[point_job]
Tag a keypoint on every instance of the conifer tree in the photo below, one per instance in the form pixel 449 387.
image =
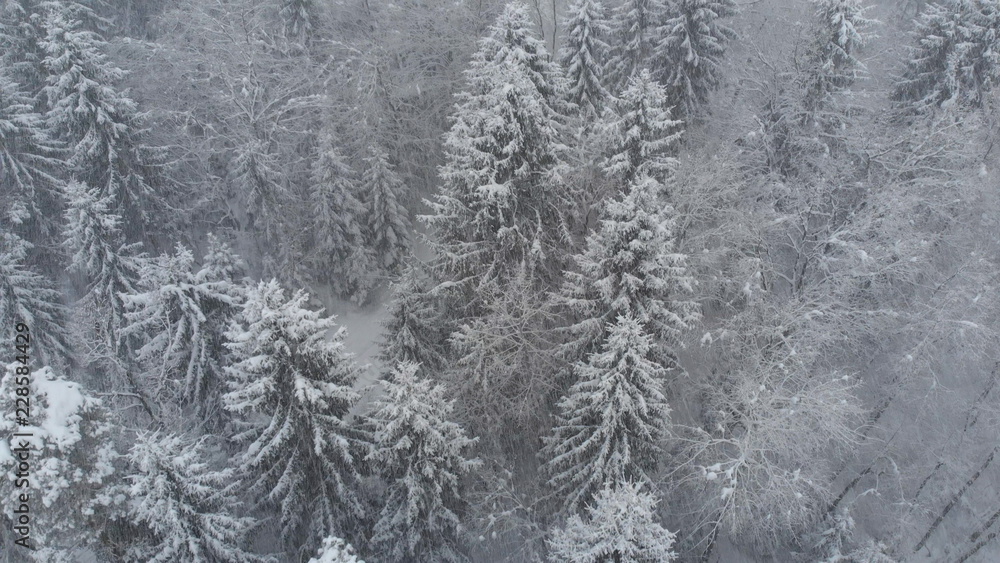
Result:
pixel 957 57
pixel 179 323
pixel 584 56
pixel 297 17
pixel 21 54
pixel 339 249
pixel 71 463
pixel 27 297
pixel 186 506
pixel 630 268
pixel 502 204
pixel 387 223
pixel 100 124
pixel 634 25
pixel 422 457
pixel 335 550
pixel 413 330
pixel 690 47
pixel 29 166
pixel 613 419
pixel 833 59
pixel 292 382
pixel 93 236
pixel 620 526
pixel 641 133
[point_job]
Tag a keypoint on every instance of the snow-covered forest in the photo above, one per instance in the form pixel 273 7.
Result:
pixel 421 281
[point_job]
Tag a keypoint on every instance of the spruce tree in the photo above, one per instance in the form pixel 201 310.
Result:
pixel 186 506
pixel 97 248
pixel 339 253
pixel 957 57
pixel 387 223
pixel 178 326
pixel 29 168
pixel 27 297
pixel 630 268
pixel 689 51
pixel 640 133
pixel 585 54
pixel 634 25
pixel 422 456
pixel 833 65
pixel 612 421
pixel 413 329
pixel 502 205
pixel 21 54
pixel 335 550
pixel 620 526
pixel 71 463
pixel 291 380
pixel 297 17
pixel 100 124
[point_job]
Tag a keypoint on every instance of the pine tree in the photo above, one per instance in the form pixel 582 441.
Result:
pixel 690 49
pixel 640 133
pixel 612 420
pixel 584 56
pixel 502 204
pixel 421 456
pixel 27 297
pixel 957 57
pixel 100 124
pixel 93 236
pixel 335 550
pixel 339 249
pixel 178 325
pixel 630 268
pixel 71 462
pixel 388 226
pixel 298 17
pixel 186 506
pixel 292 381
pixel 29 166
pixel 634 24
pixel 413 330
pixel 620 526
pixel 833 63
pixel 21 53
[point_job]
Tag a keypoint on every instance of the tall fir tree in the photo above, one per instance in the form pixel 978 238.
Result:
pixel 387 224
pixel 692 41
pixel 187 508
pixel 620 526
pixel 178 326
pixel 94 238
pixel 101 125
pixel 423 458
pixel 585 55
pixel 957 56
pixel 339 248
pixel 414 329
pixel 291 379
pixel 833 65
pixel 630 268
pixel 640 134
pixel 30 167
pixel 502 204
pixel 635 29
pixel 298 18
pixel 21 54
pixel 612 421
pixel 29 298
pixel 70 453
